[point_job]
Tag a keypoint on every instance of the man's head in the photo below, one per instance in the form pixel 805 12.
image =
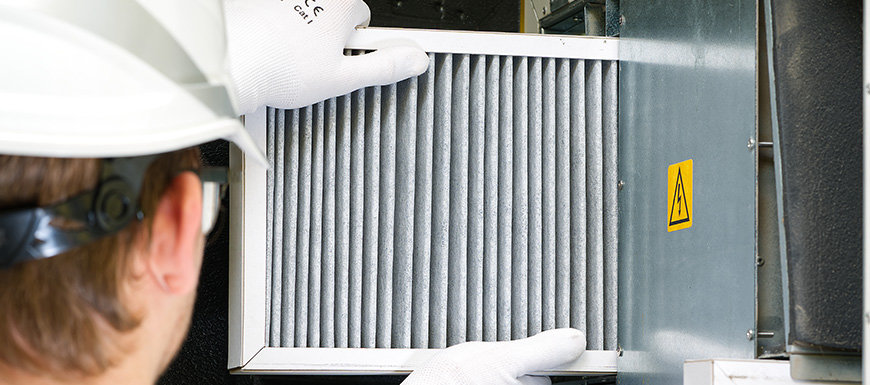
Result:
pixel 106 80
pixel 86 311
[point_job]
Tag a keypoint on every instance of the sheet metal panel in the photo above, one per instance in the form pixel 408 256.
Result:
pixel 687 86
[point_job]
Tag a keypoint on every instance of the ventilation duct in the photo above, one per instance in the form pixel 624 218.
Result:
pixel 476 202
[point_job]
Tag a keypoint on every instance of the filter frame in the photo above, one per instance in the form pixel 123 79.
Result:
pixel 248 350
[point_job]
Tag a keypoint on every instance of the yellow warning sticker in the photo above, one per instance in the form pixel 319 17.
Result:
pixel 680 196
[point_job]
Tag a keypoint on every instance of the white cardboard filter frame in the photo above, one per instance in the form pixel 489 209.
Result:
pixel 248 352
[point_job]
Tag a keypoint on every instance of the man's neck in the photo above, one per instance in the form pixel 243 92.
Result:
pixel 110 377
pixel 137 366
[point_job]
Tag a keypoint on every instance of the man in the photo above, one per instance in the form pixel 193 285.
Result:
pixel 103 203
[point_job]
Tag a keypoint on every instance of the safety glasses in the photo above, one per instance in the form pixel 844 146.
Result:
pixel 214 187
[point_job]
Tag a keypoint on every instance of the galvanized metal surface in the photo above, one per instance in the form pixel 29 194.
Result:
pixel 825 367
pixel 599 18
pixel 437 210
pixel 687 86
pixel 567 18
pixel 725 371
pixel 770 311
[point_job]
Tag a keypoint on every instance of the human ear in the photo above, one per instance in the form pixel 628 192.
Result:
pixel 174 254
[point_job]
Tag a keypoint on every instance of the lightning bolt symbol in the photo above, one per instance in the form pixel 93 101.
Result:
pixel 679 206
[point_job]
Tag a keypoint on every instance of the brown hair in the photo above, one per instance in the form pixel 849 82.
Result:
pixel 63 314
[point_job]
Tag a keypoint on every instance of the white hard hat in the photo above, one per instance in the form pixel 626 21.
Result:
pixel 114 78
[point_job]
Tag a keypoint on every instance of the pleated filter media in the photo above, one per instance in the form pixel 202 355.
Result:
pixel 476 202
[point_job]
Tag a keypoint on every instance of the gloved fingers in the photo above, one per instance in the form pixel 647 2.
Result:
pixel 385 66
pixel 534 380
pixel 545 350
pixel 361 15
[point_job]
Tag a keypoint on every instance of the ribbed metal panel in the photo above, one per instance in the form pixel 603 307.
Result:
pixel 474 202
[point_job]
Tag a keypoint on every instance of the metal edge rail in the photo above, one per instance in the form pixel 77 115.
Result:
pixel 489 43
pixel 390 361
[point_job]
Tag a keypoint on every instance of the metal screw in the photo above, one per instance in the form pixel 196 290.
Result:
pixel 763 334
pixel 751 143
pixel 621 19
pixel 619 350
pixel 759 262
pixel 750 334
pixel 398 3
pixel 544 10
pixel 620 185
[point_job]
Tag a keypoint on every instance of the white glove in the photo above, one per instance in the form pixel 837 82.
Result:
pixel 290 53
pixel 508 362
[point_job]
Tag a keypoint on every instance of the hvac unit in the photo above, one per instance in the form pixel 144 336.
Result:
pixel 476 202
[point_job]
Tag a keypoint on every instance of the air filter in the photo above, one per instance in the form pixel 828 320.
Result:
pixel 476 202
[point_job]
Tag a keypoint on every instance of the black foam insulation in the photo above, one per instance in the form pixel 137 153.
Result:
pixel 817 65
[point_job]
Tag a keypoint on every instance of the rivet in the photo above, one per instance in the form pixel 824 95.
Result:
pixel 750 334
pixel 751 143
pixel 620 185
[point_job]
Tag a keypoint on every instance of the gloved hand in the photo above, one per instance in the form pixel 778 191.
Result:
pixel 290 53
pixel 508 362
